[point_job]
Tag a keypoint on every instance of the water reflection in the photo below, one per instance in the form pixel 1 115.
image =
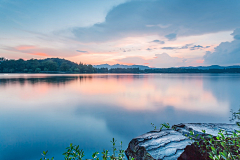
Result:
pixel 40 112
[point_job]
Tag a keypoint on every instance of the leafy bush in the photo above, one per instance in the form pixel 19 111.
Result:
pixel 221 147
pixel 225 146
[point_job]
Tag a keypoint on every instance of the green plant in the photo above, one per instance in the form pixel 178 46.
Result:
pixel 74 153
pixel 121 152
pixel 224 146
pixel 220 147
pixel 235 116
pixel 113 147
pixel 163 125
pixel 105 154
pixel 44 156
pixel 94 155
pixel 155 128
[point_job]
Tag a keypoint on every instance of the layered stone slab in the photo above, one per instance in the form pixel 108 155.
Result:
pixel 210 128
pixel 172 144
pixel 165 144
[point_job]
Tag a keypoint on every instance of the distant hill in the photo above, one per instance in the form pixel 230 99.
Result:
pixel 210 67
pixel 141 67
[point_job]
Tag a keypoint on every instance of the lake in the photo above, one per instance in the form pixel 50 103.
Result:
pixel 48 112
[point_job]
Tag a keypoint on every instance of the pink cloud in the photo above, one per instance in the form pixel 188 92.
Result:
pixel 25 47
pixel 40 54
pixel 199 61
pixel 160 60
pixel 50 52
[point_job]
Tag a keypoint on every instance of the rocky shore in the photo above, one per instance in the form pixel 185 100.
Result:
pixel 172 144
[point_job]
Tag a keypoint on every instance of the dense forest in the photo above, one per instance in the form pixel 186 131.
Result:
pixel 49 65
pixel 57 65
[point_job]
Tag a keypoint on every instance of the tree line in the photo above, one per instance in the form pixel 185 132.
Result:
pixel 192 70
pixel 167 70
pixel 57 65
pixel 49 65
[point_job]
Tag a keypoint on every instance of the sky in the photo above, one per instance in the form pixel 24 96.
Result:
pixel 155 33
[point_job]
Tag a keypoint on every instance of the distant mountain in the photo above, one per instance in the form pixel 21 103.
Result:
pixel 211 67
pixel 141 67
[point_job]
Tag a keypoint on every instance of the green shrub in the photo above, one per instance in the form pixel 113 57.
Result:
pixel 222 147
pixel 74 153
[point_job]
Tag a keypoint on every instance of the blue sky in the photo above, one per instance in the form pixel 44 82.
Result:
pixel 156 33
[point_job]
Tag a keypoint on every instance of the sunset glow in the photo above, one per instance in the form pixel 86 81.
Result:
pixel 99 36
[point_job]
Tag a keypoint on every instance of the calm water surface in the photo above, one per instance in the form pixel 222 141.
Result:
pixel 48 112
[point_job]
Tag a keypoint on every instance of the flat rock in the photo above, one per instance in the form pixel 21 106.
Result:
pixel 172 144
pixel 210 128
pixel 166 144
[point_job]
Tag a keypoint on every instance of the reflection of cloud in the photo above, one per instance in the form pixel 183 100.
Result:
pixel 57 111
pixel 227 53
pixel 132 92
pixel 153 94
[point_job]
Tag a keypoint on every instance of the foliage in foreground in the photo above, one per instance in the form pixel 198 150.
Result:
pixel 225 146
pixel 75 153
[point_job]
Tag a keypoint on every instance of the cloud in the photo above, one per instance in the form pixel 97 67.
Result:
pixel 82 51
pixel 195 47
pixel 198 47
pixel 148 49
pixel 173 48
pixel 164 60
pixel 170 48
pixel 236 34
pixel 158 41
pixel 227 53
pixel 160 60
pixel 171 19
pixel 133 59
pixel 159 25
pixel 40 54
pixel 171 37
pixel 25 47
pixel 38 51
